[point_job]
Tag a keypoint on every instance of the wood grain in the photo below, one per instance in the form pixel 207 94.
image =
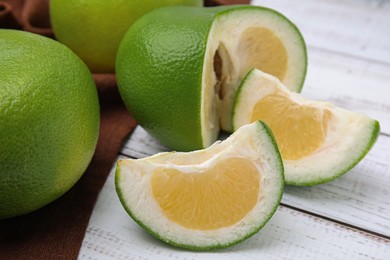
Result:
pixel 359 28
pixel 350 83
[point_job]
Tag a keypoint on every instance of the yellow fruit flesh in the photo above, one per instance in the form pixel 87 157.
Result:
pixel 260 48
pixel 218 197
pixel 256 47
pixel 299 130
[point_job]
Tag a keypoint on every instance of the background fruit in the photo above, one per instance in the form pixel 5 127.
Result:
pixel 49 121
pixel 211 198
pixel 317 140
pixel 178 68
pixel 93 29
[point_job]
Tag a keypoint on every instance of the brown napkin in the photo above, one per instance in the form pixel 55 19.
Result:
pixel 57 230
pixel 29 15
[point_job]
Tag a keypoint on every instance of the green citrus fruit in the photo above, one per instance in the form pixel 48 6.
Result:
pixel 317 140
pixel 178 68
pixel 93 29
pixel 206 199
pixel 49 121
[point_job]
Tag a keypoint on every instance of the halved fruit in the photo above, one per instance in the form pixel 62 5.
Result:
pixel 206 199
pixel 178 68
pixel 317 140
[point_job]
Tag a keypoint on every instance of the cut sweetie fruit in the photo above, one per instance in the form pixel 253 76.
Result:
pixel 317 140
pixel 178 68
pixel 206 199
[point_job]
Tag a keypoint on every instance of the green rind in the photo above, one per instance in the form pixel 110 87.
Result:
pixel 370 143
pixel 173 47
pixel 250 233
pixel 237 98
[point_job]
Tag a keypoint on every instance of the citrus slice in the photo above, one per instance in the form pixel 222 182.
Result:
pixel 178 68
pixel 206 199
pixel 317 140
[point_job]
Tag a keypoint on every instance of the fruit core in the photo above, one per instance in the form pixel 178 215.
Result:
pixel 218 197
pixel 299 130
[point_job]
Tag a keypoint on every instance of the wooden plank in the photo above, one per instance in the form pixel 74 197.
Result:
pixel 140 144
pixel 354 27
pixel 350 83
pixel 289 234
pixel 359 198
pixel 356 84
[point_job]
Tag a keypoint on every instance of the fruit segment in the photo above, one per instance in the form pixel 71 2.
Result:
pixel 211 198
pixel 317 140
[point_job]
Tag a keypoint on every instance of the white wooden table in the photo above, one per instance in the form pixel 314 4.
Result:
pixel 349 218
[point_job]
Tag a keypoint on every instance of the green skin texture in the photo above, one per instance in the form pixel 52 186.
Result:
pixel 49 121
pixel 266 131
pixel 161 57
pixel 374 133
pixel 150 72
pixel 93 29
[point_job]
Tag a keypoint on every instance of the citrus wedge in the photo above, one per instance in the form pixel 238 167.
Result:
pixel 317 140
pixel 178 68
pixel 206 199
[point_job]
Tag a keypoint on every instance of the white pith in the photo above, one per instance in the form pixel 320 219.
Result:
pixel 225 33
pixel 250 142
pixel 348 134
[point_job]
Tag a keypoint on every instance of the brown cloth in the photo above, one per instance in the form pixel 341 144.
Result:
pixel 56 231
